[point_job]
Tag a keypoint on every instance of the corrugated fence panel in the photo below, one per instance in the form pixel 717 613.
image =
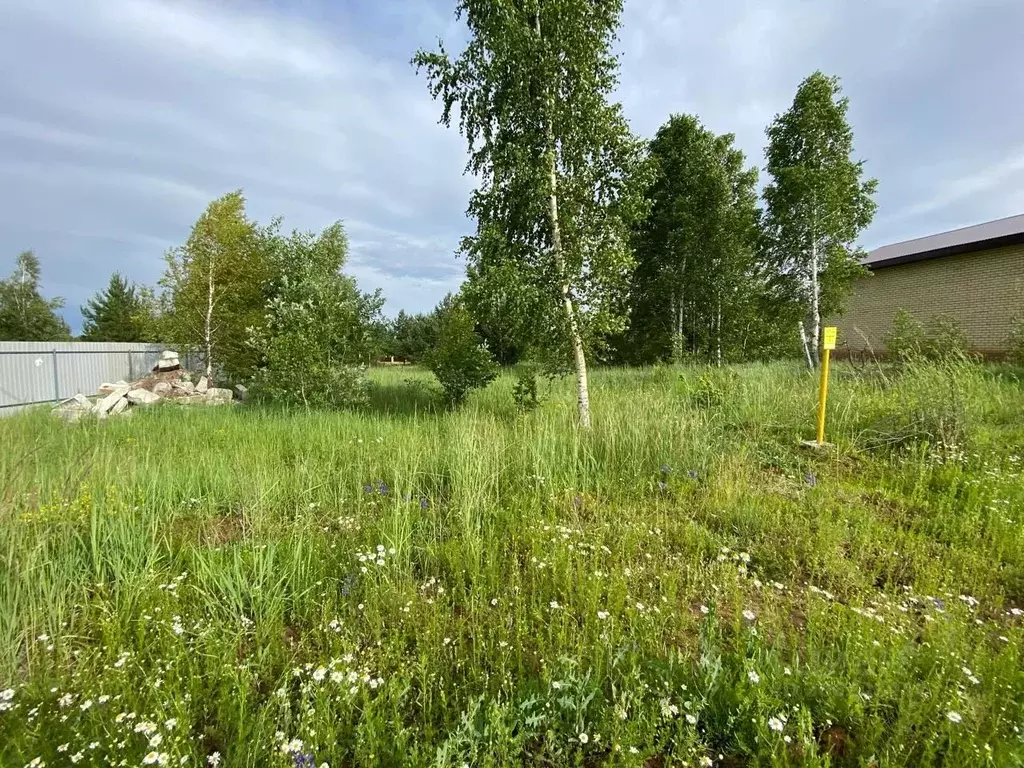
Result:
pixel 39 372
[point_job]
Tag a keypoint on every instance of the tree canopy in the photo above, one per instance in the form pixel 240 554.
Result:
pixel 559 170
pixel 816 204
pixel 117 313
pixel 24 314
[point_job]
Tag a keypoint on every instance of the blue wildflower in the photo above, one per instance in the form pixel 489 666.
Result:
pixel 811 479
pixel 303 760
pixel 368 489
pixel 665 469
pixel 662 485
pixel 693 474
pixel 424 503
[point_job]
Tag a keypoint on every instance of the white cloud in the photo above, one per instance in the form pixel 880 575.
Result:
pixel 124 117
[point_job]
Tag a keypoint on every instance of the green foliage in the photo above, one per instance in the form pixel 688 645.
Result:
pixel 117 313
pixel 460 360
pixel 816 203
pixel 1015 341
pixel 909 339
pixel 906 339
pixel 216 286
pixel 697 291
pixel 561 176
pixel 412 336
pixel 318 328
pixel 524 391
pixel 24 314
pixel 946 338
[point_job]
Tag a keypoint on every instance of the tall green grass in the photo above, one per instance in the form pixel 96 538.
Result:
pixel 406 585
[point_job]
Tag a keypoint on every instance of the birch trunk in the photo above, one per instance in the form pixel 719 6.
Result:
pixel 575 337
pixel 208 326
pixel 718 333
pixel 582 388
pixel 815 305
pixel 807 349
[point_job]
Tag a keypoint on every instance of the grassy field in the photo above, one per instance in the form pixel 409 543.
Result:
pixel 408 587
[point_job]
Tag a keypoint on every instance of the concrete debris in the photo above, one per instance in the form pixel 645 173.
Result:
pixel 168 382
pixel 142 397
pixel 168 361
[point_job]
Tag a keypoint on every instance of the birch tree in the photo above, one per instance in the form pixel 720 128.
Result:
pixel 24 314
pixel 557 164
pixel 816 204
pixel 217 286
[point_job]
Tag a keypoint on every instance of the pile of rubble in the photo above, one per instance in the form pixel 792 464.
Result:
pixel 168 382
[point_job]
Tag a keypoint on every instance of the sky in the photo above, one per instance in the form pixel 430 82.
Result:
pixel 120 120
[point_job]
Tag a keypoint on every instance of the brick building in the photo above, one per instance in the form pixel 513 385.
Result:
pixel 975 275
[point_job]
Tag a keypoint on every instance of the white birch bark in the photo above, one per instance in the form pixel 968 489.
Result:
pixel 208 325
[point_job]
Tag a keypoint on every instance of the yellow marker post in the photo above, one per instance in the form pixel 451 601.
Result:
pixel 828 344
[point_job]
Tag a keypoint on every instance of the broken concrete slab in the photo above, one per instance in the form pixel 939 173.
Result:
pixel 142 397
pixel 203 385
pixel 103 406
pixel 218 396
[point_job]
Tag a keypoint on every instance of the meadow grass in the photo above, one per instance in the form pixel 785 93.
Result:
pixel 406 586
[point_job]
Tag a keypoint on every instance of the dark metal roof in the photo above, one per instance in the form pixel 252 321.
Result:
pixel 980 237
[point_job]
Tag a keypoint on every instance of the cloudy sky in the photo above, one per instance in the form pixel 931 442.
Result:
pixel 121 119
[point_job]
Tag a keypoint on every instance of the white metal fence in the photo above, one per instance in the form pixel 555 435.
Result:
pixel 34 372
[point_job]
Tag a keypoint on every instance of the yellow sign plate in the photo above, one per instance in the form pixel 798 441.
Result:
pixel 830 337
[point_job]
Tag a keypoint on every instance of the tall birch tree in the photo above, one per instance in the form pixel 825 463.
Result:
pixel 217 287
pixel 816 204
pixel 559 170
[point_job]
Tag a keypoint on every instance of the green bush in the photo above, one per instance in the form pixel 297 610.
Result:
pixel 524 391
pixel 1016 340
pixel 906 340
pixel 946 339
pixel 460 361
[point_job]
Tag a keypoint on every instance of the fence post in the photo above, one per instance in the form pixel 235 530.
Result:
pixel 131 373
pixel 56 376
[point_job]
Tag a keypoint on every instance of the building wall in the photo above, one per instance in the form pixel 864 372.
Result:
pixel 982 291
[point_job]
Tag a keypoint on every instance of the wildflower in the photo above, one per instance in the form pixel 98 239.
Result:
pixel 554 605
pixel 494 601
pixel 37 762
pixel 753 677
pixel 787 671
pixel 424 503
pixel 584 738
pixel 337 677
pixel 706 762
pixel 668 709
pixel 776 724
pixel 749 615
pixel 145 727
pixel 103 699
pixel 213 759
pixel 691 718
pixel 85 705
pixel 156 740
pixel 603 615
pixel 77 757
pixel 705 610
pixel 954 717
pixel 64 701
pixel 811 479
pixel 319 674
pixel 151 758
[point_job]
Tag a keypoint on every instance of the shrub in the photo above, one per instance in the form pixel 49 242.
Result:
pixel 318 325
pixel 524 392
pixel 460 361
pixel 1016 340
pixel 906 340
pixel 946 339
